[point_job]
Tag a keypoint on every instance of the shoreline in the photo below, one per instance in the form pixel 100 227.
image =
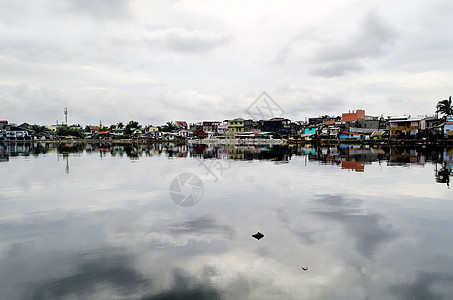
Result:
pixel 321 142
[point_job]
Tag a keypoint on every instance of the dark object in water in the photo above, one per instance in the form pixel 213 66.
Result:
pixel 258 235
pixel 305 268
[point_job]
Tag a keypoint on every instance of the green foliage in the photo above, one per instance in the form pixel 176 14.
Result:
pixel 121 136
pixel 66 130
pixel 170 126
pixel 120 125
pixel 131 125
pixel 38 128
pixel 445 107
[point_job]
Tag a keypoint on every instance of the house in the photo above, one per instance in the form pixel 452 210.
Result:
pixel 448 127
pixel 182 125
pixel 25 125
pixel 277 125
pixel 150 129
pixel 330 131
pixel 319 120
pixel 53 128
pixel 103 134
pixel 200 134
pixel 236 126
pixel 431 127
pixel 404 126
pixel 17 133
pixel 136 131
pixel 309 133
pixel 222 129
pixel 210 126
pixel 117 131
pixel 3 124
pixel 184 133
pixel 196 126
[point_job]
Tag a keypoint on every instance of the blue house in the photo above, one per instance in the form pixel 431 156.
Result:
pixel 309 133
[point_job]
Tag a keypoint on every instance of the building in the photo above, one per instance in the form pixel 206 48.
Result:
pixel 222 129
pixel 319 120
pixel 404 126
pixel 150 129
pixel 182 125
pixel 448 127
pixel 309 133
pixel 17 133
pixel 277 125
pixel 210 126
pixel 353 116
pixel 236 126
pixel 3 124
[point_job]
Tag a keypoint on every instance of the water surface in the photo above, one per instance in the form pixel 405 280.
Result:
pixel 98 222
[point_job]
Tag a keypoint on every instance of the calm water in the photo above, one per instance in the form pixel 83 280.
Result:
pixel 102 222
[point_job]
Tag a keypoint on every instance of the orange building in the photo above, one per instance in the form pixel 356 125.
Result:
pixel 353 116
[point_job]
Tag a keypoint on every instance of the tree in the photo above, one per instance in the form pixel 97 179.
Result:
pixel 131 125
pixel 445 107
pixel 38 129
pixel 170 126
pixel 120 125
pixel 65 130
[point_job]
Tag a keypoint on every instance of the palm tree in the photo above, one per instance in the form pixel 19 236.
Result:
pixel 170 126
pixel 445 107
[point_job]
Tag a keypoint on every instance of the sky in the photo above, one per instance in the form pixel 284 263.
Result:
pixel 155 61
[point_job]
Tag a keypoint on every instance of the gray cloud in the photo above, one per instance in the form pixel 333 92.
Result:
pixel 101 274
pixel 369 230
pixel 373 39
pixel 332 69
pixel 433 286
pixel 107 51
pixel 199 225
pixel 185 287
pixel 329 57
pixel 101 9
pixel 183 40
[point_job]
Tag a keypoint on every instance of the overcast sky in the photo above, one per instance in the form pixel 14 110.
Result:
pixel 160 60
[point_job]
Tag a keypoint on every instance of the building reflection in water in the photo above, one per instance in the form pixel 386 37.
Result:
pixel 347 157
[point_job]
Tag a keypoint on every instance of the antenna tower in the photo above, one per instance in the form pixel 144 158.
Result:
pixel 66 115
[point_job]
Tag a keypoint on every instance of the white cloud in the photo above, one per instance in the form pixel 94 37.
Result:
pixel 152 52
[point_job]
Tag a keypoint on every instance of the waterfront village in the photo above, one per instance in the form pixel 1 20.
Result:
pixel 353 125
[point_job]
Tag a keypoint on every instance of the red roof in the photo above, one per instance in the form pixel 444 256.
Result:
pixel 104 132
pixel 330 122
pixel 179 123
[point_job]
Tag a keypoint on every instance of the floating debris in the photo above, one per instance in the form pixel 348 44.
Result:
pixel 258 235
pixel 305 268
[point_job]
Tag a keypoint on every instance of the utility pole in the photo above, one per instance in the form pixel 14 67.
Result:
pixel 66 115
